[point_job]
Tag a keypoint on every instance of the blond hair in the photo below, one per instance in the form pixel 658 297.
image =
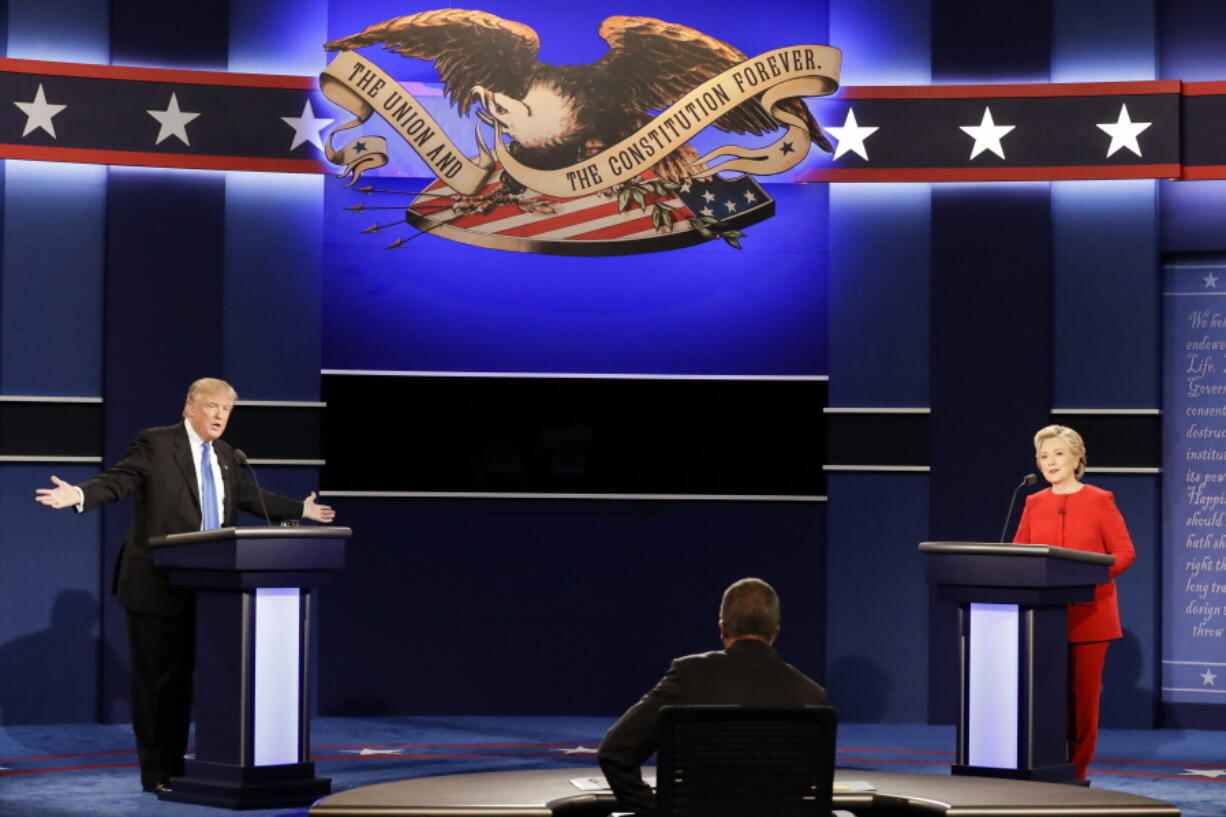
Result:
pixel 208 385
pixel 1072 439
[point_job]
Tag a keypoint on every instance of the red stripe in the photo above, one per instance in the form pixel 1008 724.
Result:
pixel 170 75
pixel 616 230
pixel 70 769
pixel 1204 171
pixel 563 220
pixel 23 759
pixel 141 159
pixel 1055 89
pixel 434 756
pixel 995 174
pixel 1204 88
pixel 481 219
pixel 441 745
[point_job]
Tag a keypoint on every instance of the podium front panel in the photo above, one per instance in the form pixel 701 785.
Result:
pixel 992 680
pixel 278 687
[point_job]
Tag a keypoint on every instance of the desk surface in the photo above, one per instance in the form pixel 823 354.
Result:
pixel 529 793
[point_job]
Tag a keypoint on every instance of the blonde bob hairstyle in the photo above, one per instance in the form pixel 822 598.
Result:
pixel 208 385
pixel 1072 439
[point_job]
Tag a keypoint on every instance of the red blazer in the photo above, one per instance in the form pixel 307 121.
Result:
pixel 1090 521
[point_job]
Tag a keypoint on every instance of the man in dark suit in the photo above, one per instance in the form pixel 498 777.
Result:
pixel 184 479
pixel 747 672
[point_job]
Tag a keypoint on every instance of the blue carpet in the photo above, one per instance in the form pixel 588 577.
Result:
pixel 72 771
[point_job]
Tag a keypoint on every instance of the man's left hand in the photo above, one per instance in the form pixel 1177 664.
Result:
pixel 315 512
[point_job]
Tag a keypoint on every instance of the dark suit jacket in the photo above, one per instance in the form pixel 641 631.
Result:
pixel 749 673
pixel 159 470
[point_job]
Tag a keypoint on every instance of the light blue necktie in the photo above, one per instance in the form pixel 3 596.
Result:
pixel 208 502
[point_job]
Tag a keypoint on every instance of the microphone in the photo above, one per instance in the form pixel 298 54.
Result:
pixel 241 458
pixel 1027 481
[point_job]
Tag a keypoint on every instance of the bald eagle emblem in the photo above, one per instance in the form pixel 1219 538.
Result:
pixel 577 159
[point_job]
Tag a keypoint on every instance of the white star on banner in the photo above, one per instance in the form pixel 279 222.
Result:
pixel 1210 280
pixel 307 127
pixel 1208 676
pixel 576 750
pixel 987 135
pixel 707 211
pixel 1204 772
pixel 731 205
pixel 366 751
pixel 1124 132
pixel 750 197
pixel 39 112
pixel 851 136
pixel 708 196
pixel 173 122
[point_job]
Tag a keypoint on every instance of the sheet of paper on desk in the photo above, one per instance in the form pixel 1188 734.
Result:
pixel 847 786
pixel 600 784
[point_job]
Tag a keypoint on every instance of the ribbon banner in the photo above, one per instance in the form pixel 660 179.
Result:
pixel 363 89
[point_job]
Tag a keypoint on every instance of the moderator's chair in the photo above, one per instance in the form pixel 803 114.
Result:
pixel 731 761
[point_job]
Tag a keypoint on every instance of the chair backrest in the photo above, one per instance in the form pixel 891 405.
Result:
pixel 720 761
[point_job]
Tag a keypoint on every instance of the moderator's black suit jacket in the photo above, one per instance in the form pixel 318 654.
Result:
pixel 748 673
pixel 159 469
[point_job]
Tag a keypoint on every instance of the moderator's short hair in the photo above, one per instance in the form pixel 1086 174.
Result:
pixel 750 607
pixel 210 385
pixel 1076 446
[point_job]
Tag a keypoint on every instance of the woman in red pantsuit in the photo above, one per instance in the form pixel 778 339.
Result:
pixel 1074 515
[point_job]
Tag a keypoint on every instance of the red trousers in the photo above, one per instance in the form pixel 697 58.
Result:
pixel 1085 688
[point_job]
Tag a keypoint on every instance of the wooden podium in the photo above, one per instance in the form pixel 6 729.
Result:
pixel 253 620
pixel 1013 651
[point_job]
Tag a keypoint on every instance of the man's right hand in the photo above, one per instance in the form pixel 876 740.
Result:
pixel 63 495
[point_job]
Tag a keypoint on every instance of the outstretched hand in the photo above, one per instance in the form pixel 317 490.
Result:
pixel 313 510
pixel 63 495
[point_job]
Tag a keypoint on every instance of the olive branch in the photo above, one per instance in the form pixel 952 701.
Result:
pixel 634 193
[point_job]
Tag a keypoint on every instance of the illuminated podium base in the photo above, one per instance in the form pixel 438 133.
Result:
pixel 253 620
pixel 1013 651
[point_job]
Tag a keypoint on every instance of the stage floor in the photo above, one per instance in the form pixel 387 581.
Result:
pixel 546 792
pixel 87 770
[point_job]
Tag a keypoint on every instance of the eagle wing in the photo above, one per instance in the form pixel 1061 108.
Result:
pixel 468 48
pixel 655 63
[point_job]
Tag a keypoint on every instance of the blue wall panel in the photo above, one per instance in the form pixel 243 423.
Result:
pixel 62 30
pixel 877 631
pixel 50 578
pixel 164 318
pixel 1130 680
pixel 297 47
pixel 968 46
pixel 1105 290
pixel 51 279
pixel 879 280
pixel 1103 40
pixel 991 372
pixel 272 283
pixel 1191 33
pixel 156 34
pixel 884 42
